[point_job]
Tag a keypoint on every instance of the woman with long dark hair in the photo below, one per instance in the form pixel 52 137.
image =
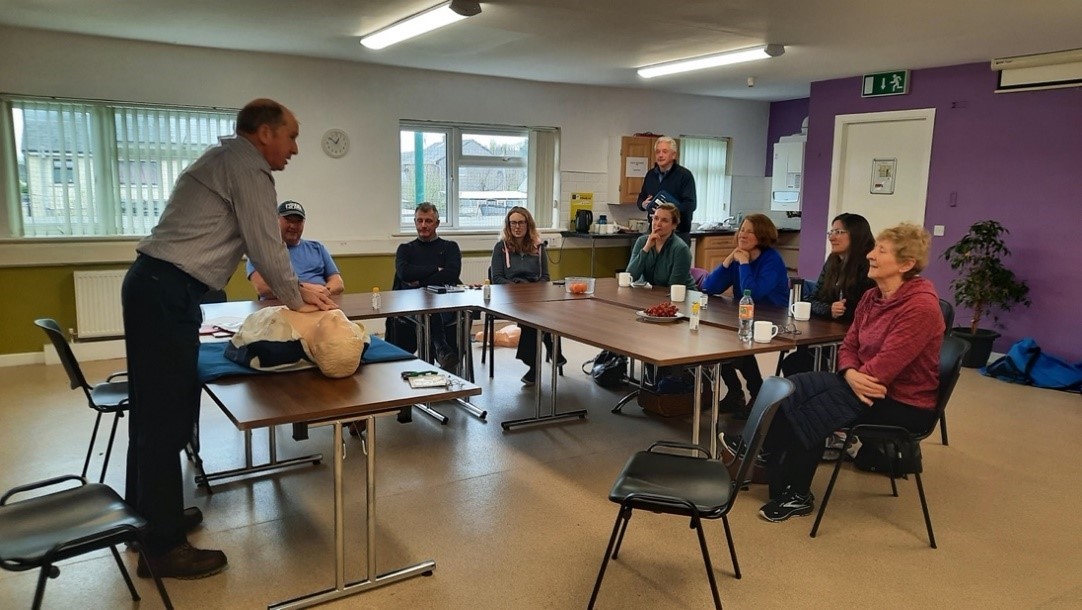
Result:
pixel 843 280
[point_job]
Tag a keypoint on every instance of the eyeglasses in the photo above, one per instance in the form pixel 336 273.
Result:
pixel 517 223
pixel 833 232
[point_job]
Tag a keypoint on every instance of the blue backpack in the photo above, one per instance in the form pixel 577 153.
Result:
pixel 1025 363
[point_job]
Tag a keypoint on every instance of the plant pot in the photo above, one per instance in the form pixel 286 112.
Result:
pixel 980 345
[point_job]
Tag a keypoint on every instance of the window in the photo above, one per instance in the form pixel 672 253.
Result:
pixel 473 174
pixel 99 168
pixel 708 160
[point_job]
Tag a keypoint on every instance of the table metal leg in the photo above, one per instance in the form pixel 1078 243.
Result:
pixel 538 418
pixel 372 578
pixel 250 467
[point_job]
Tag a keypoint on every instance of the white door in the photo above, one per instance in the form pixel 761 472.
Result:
pixel 880 166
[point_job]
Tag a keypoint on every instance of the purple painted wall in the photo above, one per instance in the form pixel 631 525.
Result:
pixel 785 120
pixel 1012 157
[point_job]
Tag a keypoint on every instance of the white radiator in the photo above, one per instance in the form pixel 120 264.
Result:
pixel 97 303
pixel 475 269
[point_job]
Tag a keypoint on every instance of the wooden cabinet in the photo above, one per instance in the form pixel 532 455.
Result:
pixel 711 250
pixel 634 146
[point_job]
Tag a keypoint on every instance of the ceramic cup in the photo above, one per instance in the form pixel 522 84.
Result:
pixel 623 278
pixel 763 331
pixel 677 293
pixel 801 310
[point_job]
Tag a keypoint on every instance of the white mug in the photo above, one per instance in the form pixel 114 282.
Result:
pixel 694 296
pixel 677 293
pixel 623 278
pixel 764 331
pixel 801 310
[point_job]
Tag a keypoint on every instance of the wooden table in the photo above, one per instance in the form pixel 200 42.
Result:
pixel 259 401
pixel 723 312
pixel 616 328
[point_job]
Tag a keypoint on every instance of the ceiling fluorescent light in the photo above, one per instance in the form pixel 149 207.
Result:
pixel 425 21
pixel 713 61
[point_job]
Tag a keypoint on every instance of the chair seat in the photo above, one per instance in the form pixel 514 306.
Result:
pixel 31 528
pixel 703 482
pixel 110 396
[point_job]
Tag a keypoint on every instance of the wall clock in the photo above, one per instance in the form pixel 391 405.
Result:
pixel 335 143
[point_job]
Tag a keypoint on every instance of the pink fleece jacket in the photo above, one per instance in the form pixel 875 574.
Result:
pixel 897 341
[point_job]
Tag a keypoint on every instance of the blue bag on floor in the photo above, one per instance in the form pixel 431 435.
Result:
pixel 1025 363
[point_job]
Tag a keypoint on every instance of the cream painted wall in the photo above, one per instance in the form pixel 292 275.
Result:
pixel 350 200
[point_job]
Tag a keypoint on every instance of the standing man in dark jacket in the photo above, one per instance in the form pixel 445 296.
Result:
pixel 431 260
pixel 669 182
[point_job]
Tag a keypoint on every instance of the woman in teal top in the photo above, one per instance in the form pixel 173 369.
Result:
pixel 657 257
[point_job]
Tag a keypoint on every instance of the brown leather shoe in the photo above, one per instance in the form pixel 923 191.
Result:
pixel 185 562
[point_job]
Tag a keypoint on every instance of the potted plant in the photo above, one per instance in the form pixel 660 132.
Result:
pixel 983 285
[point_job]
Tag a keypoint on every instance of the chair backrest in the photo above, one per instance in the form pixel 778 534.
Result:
pixel 948 315
pixel 63 351
pixel 774 390
pixel 950 368
pixel 699 275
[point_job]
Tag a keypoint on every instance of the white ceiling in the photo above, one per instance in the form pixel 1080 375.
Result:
pixel 600 42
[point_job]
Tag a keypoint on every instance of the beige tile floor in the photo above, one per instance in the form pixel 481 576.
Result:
pixel 520 519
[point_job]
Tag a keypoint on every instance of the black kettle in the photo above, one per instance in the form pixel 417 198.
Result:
pixel 583 220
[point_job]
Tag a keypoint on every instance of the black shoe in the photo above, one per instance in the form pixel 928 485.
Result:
pixel 192 518
pixel 185 562
pixel 357 428
pixel 529 378
pixel 733 402
pixel 790 504
pixel 448 360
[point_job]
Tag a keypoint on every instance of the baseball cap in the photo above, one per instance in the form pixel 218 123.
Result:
pixel 291 208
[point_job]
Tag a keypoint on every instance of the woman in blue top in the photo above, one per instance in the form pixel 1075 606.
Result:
pixel 516 259
pixel 754 265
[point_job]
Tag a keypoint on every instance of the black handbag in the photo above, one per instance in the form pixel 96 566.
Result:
pixel 608 369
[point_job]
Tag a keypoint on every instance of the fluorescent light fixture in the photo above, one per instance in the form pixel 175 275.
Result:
pixel 425 21
pixel 713 61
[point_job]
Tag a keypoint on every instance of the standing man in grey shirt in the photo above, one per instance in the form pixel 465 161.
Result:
pixel 223 206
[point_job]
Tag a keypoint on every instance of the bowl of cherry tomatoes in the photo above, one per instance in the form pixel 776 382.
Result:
pixel 579 285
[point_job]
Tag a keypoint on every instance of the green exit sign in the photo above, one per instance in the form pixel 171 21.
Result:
pixel 886 83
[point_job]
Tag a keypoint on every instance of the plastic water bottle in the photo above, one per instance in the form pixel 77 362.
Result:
pixel 377 299
pixel 747 316
pixel 486 290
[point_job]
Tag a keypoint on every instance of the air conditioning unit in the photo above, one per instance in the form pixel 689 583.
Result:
pixel 1039 71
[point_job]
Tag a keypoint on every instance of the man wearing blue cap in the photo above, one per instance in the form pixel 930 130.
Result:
pixel 311 261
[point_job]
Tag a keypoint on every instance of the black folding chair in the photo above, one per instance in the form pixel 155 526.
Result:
pixel 901 445
pixel 694 486
pixel 39 532
pixel 110 396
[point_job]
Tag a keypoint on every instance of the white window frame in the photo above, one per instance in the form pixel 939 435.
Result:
pixel 540 164
pixel 96 202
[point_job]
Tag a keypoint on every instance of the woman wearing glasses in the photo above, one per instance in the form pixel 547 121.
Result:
pixel 520 258
pixel 843 280
pixel 753 265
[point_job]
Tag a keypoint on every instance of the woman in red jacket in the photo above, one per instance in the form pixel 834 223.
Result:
pixel 888 371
